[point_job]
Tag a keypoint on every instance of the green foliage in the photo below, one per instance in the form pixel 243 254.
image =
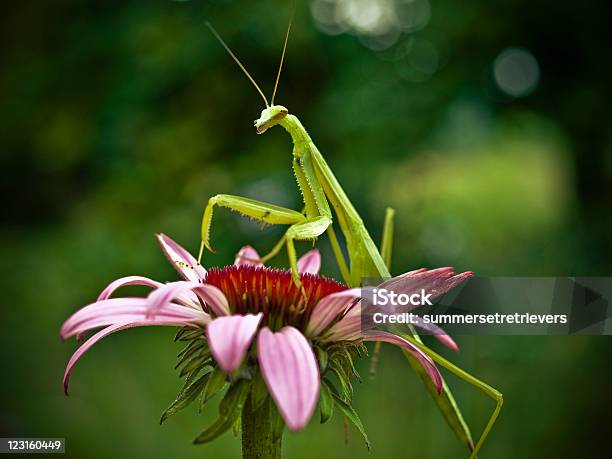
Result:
pixel 230 410
pixel 348 411
pixel 326 404
pixel 188 394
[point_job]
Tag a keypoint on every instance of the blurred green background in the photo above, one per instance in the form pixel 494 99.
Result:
pixel 486 124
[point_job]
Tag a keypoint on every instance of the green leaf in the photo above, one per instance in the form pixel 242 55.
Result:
pixel 351 415
pixel 326 404
pixel 185 397
pixel 230 409
pixel 259 391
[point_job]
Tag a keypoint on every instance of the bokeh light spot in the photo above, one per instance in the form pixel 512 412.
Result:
pixel 516 72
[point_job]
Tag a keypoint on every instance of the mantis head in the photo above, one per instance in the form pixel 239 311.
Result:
pixel 270 116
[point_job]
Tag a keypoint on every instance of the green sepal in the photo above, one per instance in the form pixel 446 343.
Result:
pixel 322 357
pixel 215 384
pixel 349 412
pixel 230 410
pixel 326 404
pixel 345 359
pixel 346 388
pixel 189 351
pixel 195 364
pixel 236 427
pixel 188 334
pixel 186 396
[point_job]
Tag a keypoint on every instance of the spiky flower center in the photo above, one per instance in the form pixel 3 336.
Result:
pixel 252 289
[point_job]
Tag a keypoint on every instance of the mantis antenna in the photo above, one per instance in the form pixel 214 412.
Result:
pixel 280 67
pixel 218 37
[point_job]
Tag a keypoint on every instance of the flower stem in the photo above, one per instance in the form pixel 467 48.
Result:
pixel 257 433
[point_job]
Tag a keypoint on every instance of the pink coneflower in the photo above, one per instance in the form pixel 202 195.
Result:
pixel 254 317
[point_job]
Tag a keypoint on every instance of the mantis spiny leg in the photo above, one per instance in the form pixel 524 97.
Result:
pixel 490 391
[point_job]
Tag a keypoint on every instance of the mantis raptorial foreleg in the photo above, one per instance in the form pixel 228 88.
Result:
pixel 490 391
pixel 386 249
pixel 301 227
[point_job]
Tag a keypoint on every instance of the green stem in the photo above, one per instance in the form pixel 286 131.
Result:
pixel 257 433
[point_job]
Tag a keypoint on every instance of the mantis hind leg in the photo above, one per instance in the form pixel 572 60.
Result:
pixel 386 249
pixel 490 391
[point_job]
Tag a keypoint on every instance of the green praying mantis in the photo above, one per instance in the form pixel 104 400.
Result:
pixel 320 188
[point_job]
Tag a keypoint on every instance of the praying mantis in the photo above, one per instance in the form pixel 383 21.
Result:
pixel 320 188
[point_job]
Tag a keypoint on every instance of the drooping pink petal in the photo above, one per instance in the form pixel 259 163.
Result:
pixel 346 329
pixel 214 298
pixel 310 262
pixel 434 281
pixel 423 359
pixel 436 331
pixel 186 265
pixel 168 292
pixel 101 334
pixel 329 308
pixel 247 256
pixel 122 310
pixel 229 338
pixel 185 292
pixel 129 280
pixel 351 327
pixel 290 371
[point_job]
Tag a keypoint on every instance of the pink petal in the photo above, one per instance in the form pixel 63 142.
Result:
pixel 346 329
pixel 186 265
pixel 247 256
pixel 229 338
pixel 290 371
pixel 436 331
pixel 424 360
pixel 168 292
pixel 310 262
pixel 129 280
pixel 97 337
pixel 123 310
pixel 434 281
pixel 329 308
pixel 214 298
